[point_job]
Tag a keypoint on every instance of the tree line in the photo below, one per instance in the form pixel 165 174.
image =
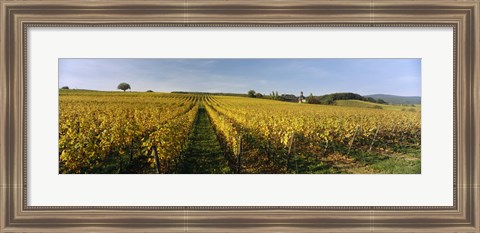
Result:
pixel 323 99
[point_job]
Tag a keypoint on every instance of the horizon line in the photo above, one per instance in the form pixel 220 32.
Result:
pixel 210 92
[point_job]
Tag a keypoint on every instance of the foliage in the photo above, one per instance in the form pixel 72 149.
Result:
pixel 312 100
pixel 268 128
pixel 381 101
pixel 251 93
pixel 111 133
pixel 331 98
pixel 124 86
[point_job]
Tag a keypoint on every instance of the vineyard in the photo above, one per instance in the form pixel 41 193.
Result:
pixel 113 132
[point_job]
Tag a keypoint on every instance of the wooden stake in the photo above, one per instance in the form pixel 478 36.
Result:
pixel 131 150
pixel 290 146
pixel 157 160
pixel 353 139
pixel 239 156
pixel 403 132
pixel 374 137
pixel 290 149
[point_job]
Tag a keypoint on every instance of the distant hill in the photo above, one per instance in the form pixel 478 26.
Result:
pixel 331 98
pixel 364 104
pixel 359 104
pixel 395 99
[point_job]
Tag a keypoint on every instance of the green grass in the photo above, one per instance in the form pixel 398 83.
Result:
pixel 402 160
pixel 203 155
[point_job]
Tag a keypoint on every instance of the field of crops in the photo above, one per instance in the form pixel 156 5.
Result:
pixel 118 132
pixel 113 132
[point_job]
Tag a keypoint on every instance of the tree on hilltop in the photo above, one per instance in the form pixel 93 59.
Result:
pixel 251 93
pixel 124 86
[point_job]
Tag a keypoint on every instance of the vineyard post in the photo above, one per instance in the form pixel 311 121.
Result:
pixel 353 139
pixel 157 160
pixel 374 137
pixel 402 137
pixel 131 150
pixel 239 155
pixel 225 149
pixel 290 149
pixel 229 157
pixel 268 150
pixel 393 133
pixel 403 133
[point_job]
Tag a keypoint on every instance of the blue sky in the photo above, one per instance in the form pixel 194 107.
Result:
pixel 317 76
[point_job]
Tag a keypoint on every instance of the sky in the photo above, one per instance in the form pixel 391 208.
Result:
pixel 287 76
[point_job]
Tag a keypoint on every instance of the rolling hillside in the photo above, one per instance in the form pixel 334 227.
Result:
pixel 364 104
pixel 394 99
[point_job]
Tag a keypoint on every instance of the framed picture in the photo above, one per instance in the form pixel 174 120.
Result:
pixel 211 116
